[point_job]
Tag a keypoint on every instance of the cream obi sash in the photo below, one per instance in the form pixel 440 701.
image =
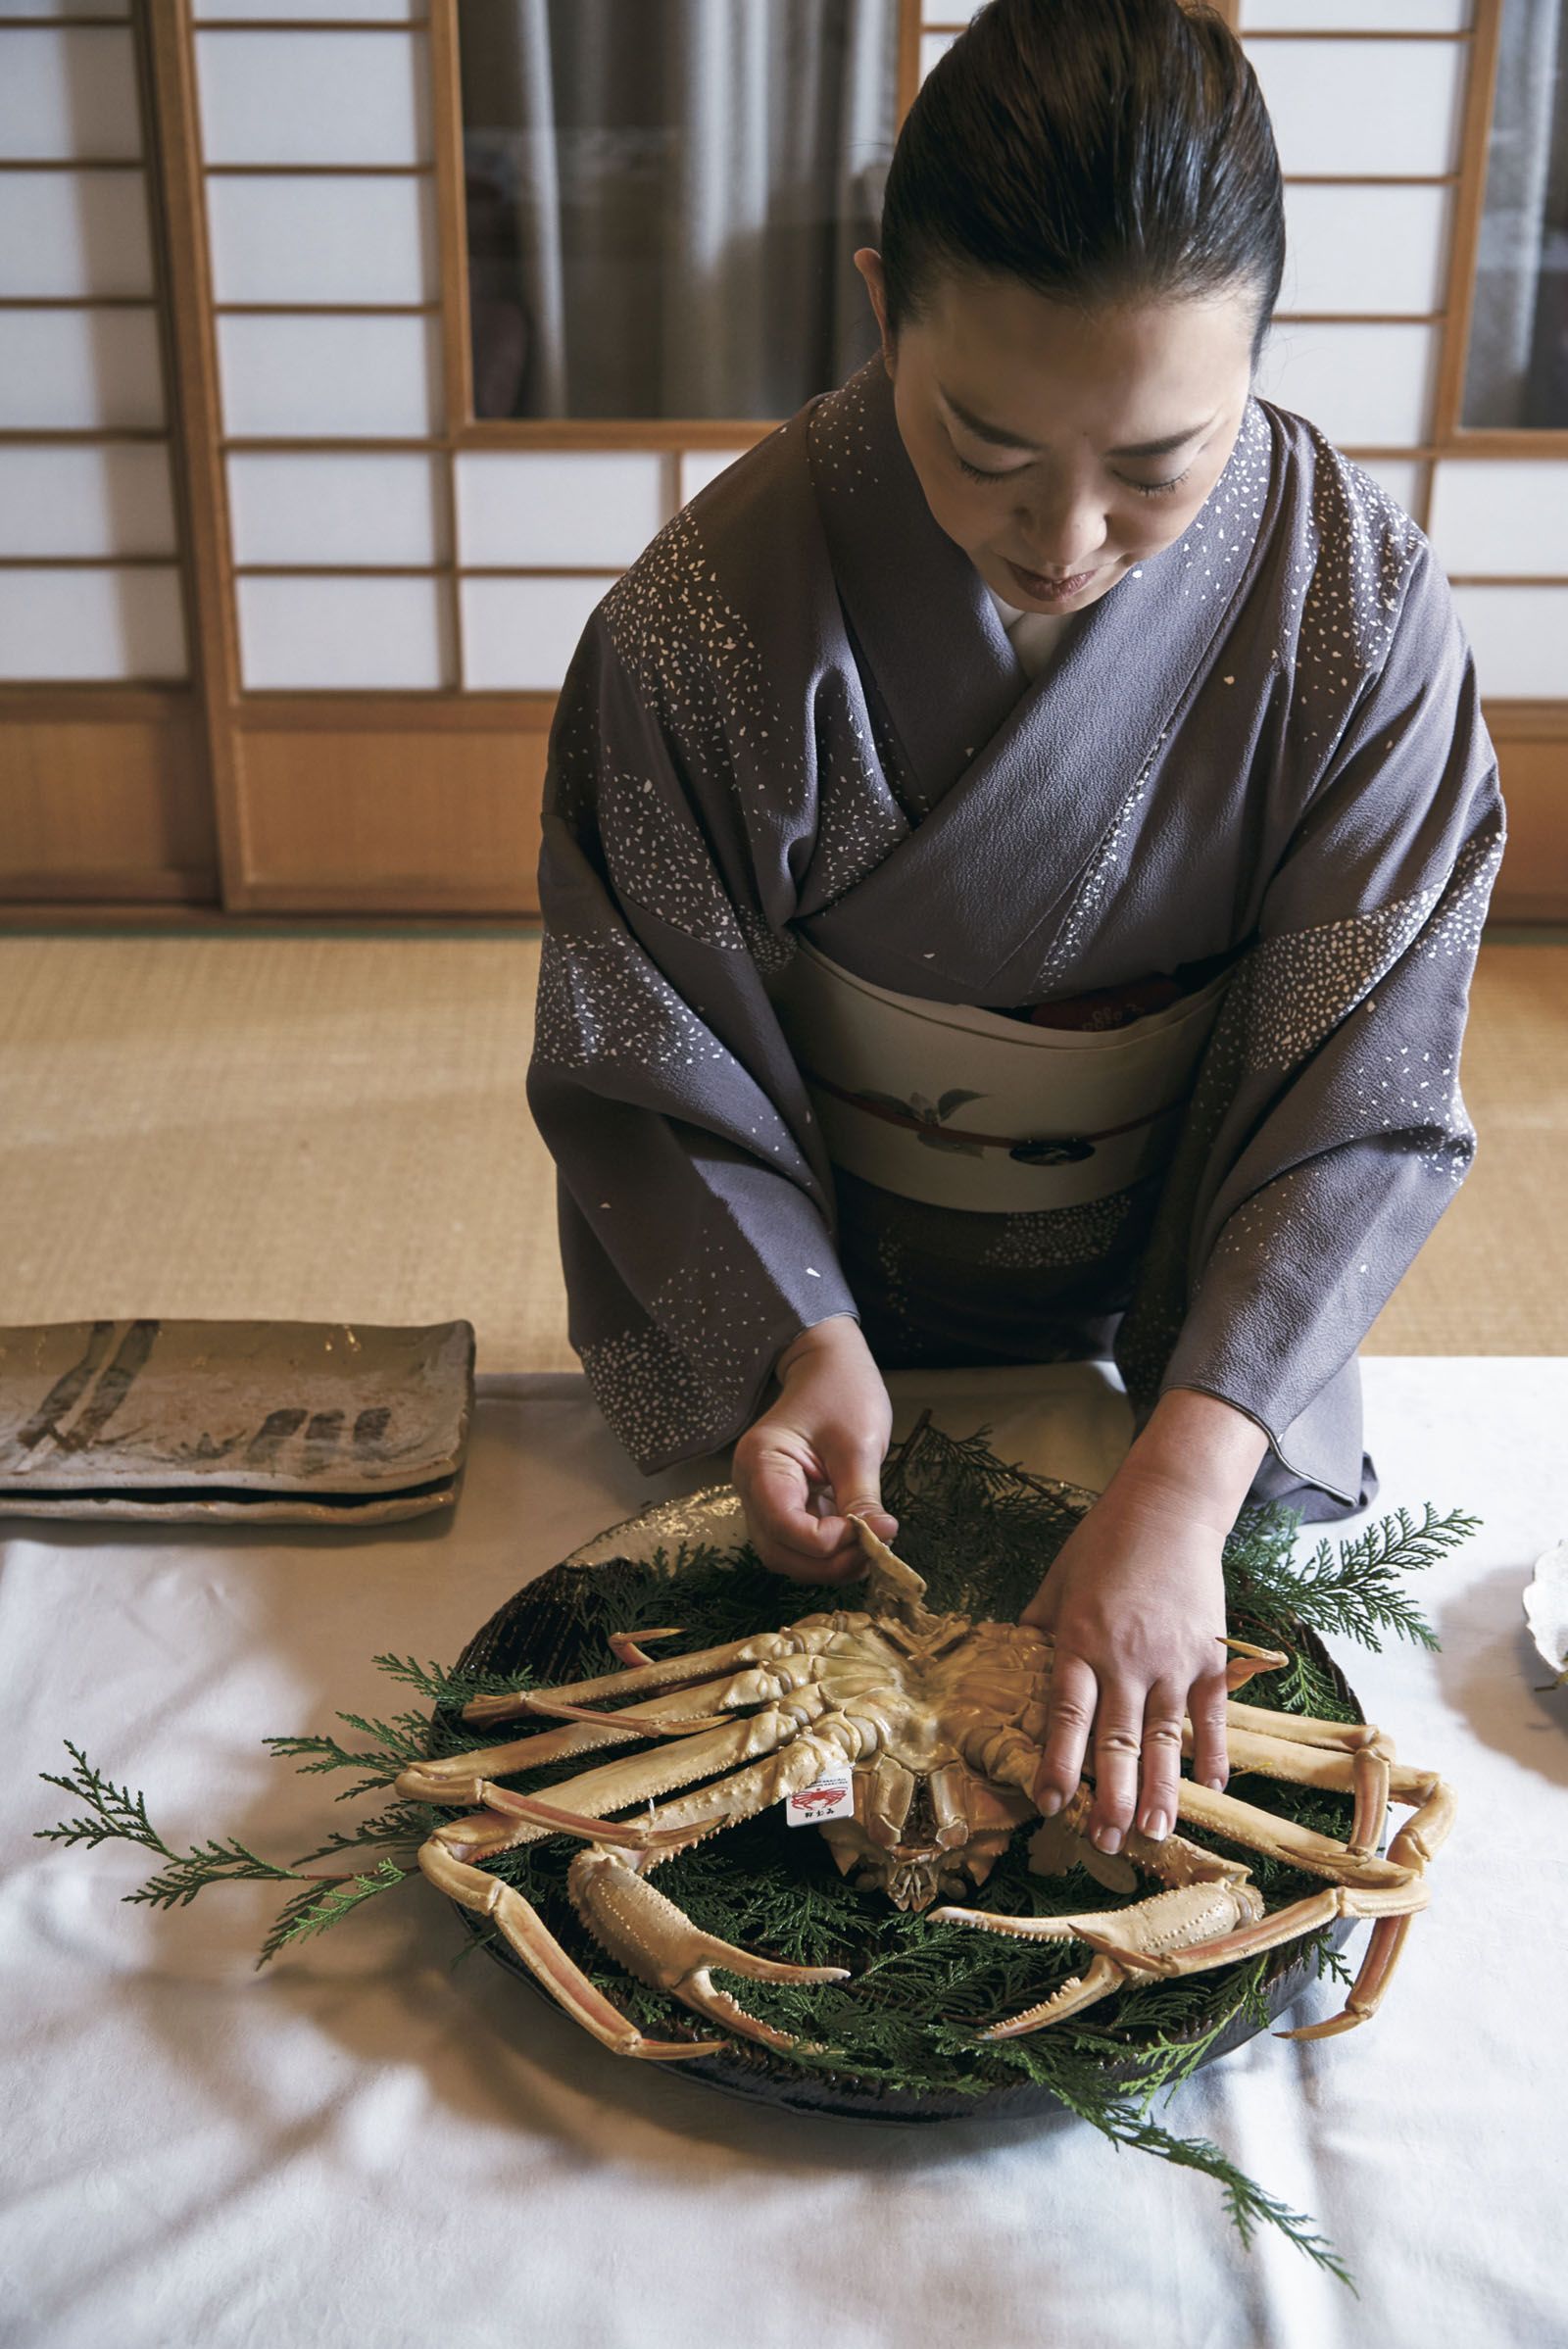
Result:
pixel 964 1108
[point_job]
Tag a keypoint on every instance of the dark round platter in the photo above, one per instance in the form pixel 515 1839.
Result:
pixel 535 1628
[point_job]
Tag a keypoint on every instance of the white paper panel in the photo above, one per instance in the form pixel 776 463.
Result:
pixel 1405 479
pixel 1353 16
pixel 343 633
pixel 1363 108
pixel 946 12
pixel 319 378
pixel 75 370
pixel 322 239
pixel 329 509
pixel 1362 386
pixel 107 501
pixel 63 8
pixel 520 634
pixel 91 624
pixel 367 10
pixel 73 232
pixel 1520 636
pixel 314 97
pixel 699 466
pixel 602 505
pixel 1503 515
pixel 1365 248
pixel 932 46
pixel 71 92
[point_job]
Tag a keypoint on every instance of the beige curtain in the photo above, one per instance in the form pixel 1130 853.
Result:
pixel 664 196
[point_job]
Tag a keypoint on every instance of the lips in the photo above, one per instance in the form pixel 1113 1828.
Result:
pixel 1052 589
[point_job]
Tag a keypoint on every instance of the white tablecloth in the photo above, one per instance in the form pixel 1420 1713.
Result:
pixel 362 2145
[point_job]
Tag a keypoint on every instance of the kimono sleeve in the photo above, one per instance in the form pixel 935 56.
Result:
pixel 1327 1132
pixel 694 1195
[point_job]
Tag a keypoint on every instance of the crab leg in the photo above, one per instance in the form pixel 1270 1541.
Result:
pixel 1246 1941
pixel 642 1927
pixel 527 1933
pixel 1427 1830
pixel 1305 1729
pixel 1207 1894
pixel 453 1777
pixel 1245 1661
pixel 1365 1771
pixel 617 1786
pixel 1383 1952
pixel 766 1648
pixel 625 1650
pixel 1284 1839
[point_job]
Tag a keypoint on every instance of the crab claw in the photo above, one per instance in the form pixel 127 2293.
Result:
pixel 645 1932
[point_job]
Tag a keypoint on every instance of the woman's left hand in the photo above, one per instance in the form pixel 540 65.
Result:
pixel 1135 1602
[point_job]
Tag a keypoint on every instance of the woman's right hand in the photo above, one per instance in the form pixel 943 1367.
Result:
pixel 814 1457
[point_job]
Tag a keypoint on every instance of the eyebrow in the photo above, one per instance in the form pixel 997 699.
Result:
pixel 1015 440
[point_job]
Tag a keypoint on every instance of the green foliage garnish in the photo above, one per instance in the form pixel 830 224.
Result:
pixel 982 1534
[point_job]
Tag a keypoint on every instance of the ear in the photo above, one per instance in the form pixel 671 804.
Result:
pixel 868 260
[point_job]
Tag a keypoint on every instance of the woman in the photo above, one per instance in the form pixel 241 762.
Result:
pixel 1015 848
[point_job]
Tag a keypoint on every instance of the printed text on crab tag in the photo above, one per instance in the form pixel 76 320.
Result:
pixel 829 1798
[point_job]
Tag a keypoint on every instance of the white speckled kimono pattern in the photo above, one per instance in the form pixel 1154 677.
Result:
pixel 1259 753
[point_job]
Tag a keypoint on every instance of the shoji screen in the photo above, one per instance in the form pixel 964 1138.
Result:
pixel 409 584
pixel 1382 110
pixel 283 622
pixel 103 786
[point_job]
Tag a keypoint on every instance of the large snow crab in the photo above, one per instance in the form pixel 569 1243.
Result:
pixel 938 1722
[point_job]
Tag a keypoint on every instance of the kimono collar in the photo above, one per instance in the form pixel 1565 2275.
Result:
pixel 1022 780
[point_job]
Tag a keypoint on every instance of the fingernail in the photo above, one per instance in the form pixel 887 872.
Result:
pixel 1049 1804
pixel 1106 1838
pixel 1215 1782
pixel 1154 1825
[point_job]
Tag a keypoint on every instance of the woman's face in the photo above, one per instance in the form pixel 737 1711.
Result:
pixel 1064 494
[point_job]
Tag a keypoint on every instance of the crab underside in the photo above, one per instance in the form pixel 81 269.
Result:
pixel 941 1721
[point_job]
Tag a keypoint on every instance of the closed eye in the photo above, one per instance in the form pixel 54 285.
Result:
pixel 1145 489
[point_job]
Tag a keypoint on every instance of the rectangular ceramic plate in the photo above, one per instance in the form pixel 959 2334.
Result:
pixel 321 1420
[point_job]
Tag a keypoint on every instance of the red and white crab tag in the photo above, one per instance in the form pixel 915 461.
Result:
pixel 831 1796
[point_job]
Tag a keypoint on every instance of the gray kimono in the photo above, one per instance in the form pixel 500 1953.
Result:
pixel 799 714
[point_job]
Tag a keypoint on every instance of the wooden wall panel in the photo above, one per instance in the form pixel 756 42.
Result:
pixel 1532 739
pixel 393 822
pixel 106 808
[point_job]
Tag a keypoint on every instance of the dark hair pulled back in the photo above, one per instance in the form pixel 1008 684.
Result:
pixel 1101 151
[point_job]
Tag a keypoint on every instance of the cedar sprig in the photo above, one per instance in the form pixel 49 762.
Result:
pixel 310 1912
pixel 397 1742
pixel 1354 1593
pixel 116 1815
pixel 1247 2204
pixel 403 1823
pixel 444 1684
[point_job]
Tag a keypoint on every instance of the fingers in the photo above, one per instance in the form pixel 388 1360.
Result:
pixel 1130 1742
pixel 793 1533
pixel 1162 1768
pixel 1071 1710
pixel 788 1536
pixel 854 1472
pixel 1207 1704
pixel 1118 1735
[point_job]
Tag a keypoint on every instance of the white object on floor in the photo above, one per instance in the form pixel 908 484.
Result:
pixel 1546 1605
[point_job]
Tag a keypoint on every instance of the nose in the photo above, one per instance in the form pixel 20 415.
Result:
pixel 1066 534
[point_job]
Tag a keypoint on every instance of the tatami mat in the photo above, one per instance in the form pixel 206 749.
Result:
pixel 334 1128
